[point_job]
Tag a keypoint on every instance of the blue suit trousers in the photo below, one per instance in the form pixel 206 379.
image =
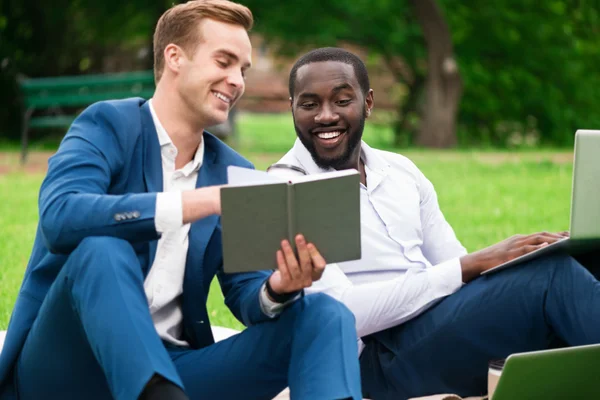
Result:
pixel 545 303
pixel 94 339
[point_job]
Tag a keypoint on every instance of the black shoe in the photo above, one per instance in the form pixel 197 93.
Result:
pixel 161 389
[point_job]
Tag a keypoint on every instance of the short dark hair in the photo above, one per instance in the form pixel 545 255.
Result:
pixel 332 54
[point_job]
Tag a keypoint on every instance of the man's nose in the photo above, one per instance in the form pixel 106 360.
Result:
pixel 236 79
pixel 327 116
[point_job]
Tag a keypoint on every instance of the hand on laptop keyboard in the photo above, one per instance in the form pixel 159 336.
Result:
pixel 515 246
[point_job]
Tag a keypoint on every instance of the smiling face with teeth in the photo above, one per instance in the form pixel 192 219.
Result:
pixel 213 78
pixel 329 110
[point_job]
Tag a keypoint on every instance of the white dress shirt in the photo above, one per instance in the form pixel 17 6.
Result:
pixel 410 254
pixel 164 283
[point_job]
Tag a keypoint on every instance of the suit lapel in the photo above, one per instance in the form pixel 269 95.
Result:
pixel 153 177
pixel 210 174
pixel 152 164
pixel 196 325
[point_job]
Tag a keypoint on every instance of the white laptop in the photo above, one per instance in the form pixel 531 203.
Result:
pixel 585 203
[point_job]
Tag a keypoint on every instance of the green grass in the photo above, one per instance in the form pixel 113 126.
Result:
pixel 486 197
pixel 18 219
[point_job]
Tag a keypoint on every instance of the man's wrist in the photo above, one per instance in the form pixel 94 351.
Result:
pixel 278 297
pixel 216 200
pixel 469 267
pixel 200 203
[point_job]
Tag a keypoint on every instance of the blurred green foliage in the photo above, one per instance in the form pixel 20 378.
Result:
pixel 528 67
pixel 66 37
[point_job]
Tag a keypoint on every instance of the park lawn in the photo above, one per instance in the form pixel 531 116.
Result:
pixel 485 196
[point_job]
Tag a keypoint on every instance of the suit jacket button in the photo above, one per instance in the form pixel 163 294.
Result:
pixel 118 217
pixel 135 214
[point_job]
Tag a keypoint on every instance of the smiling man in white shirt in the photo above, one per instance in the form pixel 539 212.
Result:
pixel 428 322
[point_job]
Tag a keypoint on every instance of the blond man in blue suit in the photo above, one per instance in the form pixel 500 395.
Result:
pixel 113 302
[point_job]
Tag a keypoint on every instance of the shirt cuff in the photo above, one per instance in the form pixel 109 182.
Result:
pixel 446 277
pixel 169 212
pixel 270 308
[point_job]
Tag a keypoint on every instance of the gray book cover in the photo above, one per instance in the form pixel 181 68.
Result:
pixel 260 210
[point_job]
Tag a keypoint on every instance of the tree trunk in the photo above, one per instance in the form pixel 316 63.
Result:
pixel 404 129
pixel 443 87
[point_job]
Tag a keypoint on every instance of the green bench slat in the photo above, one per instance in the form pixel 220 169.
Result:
pixel 78 92
pixel 72 99
pixel 66 82
pixel 60 121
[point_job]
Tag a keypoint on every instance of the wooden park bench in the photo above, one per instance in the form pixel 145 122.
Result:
pixel 62 98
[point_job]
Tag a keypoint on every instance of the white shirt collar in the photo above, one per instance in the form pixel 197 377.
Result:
pixel 166 144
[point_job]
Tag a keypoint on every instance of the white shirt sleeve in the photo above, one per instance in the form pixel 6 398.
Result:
pixel 384 304
pixel 439 240
pixel 381 305
pixel 169 211
pixel 270 308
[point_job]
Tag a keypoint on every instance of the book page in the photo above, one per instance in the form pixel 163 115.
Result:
pixel 324 175
pixel 237 176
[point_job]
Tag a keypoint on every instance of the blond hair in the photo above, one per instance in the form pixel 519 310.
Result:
pixel 179 25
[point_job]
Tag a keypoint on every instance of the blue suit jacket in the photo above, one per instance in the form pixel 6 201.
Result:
pixel 107 166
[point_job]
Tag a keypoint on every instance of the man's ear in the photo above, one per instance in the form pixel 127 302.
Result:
pixel 173 57
pixel 369 102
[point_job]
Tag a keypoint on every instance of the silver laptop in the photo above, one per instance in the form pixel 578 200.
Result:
pixel 585 203
pixel 568 373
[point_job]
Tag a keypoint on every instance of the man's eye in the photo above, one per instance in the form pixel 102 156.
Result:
pixel 308 105
pixel 222 64
pixel 344 102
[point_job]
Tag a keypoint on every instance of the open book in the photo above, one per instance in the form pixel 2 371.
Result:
pixel 259 210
